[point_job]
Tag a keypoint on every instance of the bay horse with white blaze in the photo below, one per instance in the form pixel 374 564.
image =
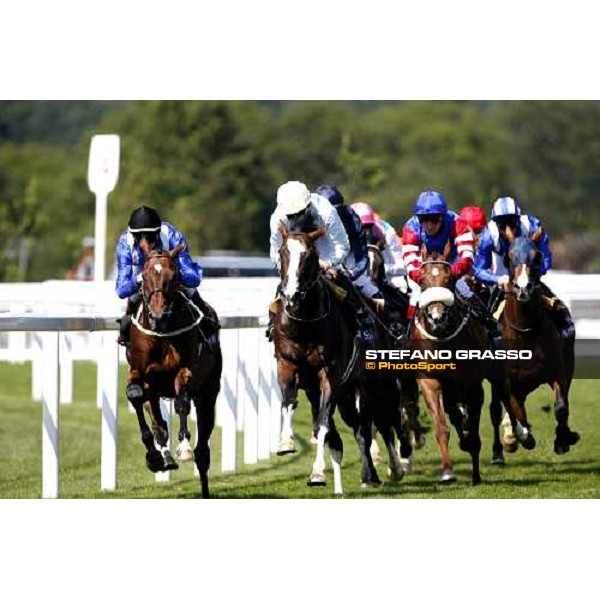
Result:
pixel 442 323
pixel 170 358
pixel 526 323
pixel 314 348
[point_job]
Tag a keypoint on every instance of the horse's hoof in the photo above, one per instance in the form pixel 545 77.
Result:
pixel 395 474
pixel 313 441
pixel 370 484
pixel 286 447
pixel 498 459
pixel 184 451
pixel 476 480
pixel 169 462
pixel 134 391
pixel 407 464
pixel 316 480
pixel 561 447
pixel 528 443
pixel 447 476
pixel 155 462
pixel 572 437
pixel 511 447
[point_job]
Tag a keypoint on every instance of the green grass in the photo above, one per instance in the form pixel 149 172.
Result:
pixel 536 474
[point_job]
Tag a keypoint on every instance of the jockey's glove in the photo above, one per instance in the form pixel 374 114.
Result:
pixel 503 282
pixel 140 278
pixel 324 264
pixel 399 282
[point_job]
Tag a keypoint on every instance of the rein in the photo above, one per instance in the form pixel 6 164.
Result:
pixel 319 318
pixel 136 321
pixel 440 339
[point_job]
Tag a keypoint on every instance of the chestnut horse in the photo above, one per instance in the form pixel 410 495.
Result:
pixel 315 351
pixel 169 358
pixel 525 322
pixel 442 323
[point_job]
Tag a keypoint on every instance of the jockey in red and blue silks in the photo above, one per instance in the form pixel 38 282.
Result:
pixel 434 225
pixel 493 246
pixel 146 232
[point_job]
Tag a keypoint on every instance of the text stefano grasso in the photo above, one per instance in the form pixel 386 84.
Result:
pixel 498 354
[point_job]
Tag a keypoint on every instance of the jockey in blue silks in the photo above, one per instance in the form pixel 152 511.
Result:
pixel 489 265
pixel 147 232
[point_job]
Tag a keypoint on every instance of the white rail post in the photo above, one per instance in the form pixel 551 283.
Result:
pixel 250 377
pixel 37 366
pixel 265 353
pixel 66 368
pixel 100 342
pixel 50 448
pixel 275 406
pixel 228 399
pixel 110 413
pixel 166 408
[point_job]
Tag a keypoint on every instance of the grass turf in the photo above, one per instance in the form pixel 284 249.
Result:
pixel 536 474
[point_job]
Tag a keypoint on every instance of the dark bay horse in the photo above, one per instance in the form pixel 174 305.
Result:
pixel 168 358
pixel 315 351
pixel 442 323
pixel 526 323
pixel 486 299
pixel 411 433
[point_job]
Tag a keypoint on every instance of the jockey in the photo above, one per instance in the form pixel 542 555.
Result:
pixel 469 289
pixel 434 225
pixel 298 209
pixel 357 260
pixel 147 232
pixel 379 230
pixel 489 262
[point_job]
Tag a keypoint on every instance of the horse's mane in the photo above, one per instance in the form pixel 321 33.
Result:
pixel 303 222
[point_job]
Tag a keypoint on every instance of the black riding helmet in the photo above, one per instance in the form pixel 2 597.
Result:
pixel 144 220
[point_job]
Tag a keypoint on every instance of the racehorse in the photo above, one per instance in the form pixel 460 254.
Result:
pixel 169 358
pixel 442 323
pixel 315 351
pixel 487 299
pixel 411 433
pixel 526 323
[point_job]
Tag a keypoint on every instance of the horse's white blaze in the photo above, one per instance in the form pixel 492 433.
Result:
pixel 296 248
pixel 435 312
pixel 435 271
pixel 523 279
pixel 158 267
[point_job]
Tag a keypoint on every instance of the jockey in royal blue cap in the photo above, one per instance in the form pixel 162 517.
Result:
pixel 493 246
pixel 147 232
pixel 434 225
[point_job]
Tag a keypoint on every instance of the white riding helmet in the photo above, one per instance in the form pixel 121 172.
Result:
pixel 292 197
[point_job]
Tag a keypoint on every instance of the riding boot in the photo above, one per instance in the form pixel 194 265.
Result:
pixel 125 321
pixel 209 325
pixel 561 317
pixel 271 325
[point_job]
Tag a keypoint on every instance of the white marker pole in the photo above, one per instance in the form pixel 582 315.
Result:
pixel 103 173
